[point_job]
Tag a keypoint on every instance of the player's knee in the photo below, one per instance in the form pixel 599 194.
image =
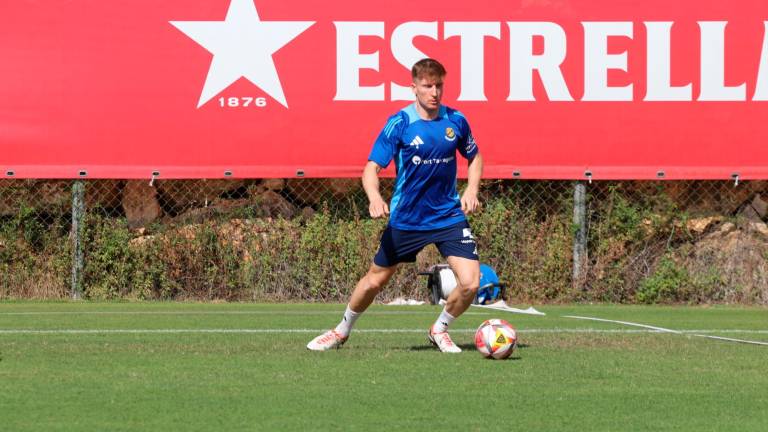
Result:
pixel 469 288
pixel 374 283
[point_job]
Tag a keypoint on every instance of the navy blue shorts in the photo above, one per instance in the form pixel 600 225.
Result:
pixel 398 246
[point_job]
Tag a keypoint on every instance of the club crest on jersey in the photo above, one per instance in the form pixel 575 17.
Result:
pixel 450 135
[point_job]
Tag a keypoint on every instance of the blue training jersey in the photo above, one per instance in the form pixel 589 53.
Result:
pixel 424 151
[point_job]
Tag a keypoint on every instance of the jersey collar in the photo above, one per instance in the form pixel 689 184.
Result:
pixel 413 115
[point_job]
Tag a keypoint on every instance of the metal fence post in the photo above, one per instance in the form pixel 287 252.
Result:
pixel 78 213
pixel 580 234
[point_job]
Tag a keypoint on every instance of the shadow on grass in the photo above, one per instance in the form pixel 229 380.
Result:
pixel 464 347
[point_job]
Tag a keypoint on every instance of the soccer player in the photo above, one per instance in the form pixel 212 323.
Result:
pixel 425 209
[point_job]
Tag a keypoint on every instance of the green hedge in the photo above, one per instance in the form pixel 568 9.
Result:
pixel 635 247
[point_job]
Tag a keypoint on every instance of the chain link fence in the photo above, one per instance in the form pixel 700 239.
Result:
pixel 311 239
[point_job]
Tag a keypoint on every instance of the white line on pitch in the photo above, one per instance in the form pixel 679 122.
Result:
pixel 276 331
pixel 336 312
pixel 666 330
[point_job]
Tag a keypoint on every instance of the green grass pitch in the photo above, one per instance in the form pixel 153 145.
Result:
pixel 228 367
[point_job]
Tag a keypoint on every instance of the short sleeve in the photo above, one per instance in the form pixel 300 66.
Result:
pixel 385 146
pixel 467 146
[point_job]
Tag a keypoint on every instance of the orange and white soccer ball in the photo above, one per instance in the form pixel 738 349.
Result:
pixel 496 339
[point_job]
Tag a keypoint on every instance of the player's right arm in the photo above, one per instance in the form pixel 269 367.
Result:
pixel 384 149
pixel 377 207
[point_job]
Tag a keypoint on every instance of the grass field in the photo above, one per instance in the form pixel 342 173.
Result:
pixel 225 367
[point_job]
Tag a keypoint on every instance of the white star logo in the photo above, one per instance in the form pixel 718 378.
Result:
pixel 242 46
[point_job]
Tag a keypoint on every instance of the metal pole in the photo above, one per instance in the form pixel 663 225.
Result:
pixel 580 234
pixel 78 212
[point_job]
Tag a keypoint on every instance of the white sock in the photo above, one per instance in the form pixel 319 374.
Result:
pixel 443 321
pixel 345 326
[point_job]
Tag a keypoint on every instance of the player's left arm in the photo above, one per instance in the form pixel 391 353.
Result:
pixel 469 201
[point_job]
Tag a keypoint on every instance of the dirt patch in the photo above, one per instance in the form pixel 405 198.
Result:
pixel 732 261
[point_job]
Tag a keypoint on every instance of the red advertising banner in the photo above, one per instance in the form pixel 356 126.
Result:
pixel 555 89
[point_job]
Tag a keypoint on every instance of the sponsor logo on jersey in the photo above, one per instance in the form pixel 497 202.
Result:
pixel 417 142
pixel 470 144
pixel 432 161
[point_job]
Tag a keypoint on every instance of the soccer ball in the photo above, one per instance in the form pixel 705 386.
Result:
pixel 496 339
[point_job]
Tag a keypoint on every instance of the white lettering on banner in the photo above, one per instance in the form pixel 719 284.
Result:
pixel 472 35
pixel 761 89
pixel 597 61
pixel 349 61
pixel 659 66
pixel 523 62
pixel 406 54
pixel 713 86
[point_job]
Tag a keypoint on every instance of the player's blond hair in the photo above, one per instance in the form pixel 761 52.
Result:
pixel 427 68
